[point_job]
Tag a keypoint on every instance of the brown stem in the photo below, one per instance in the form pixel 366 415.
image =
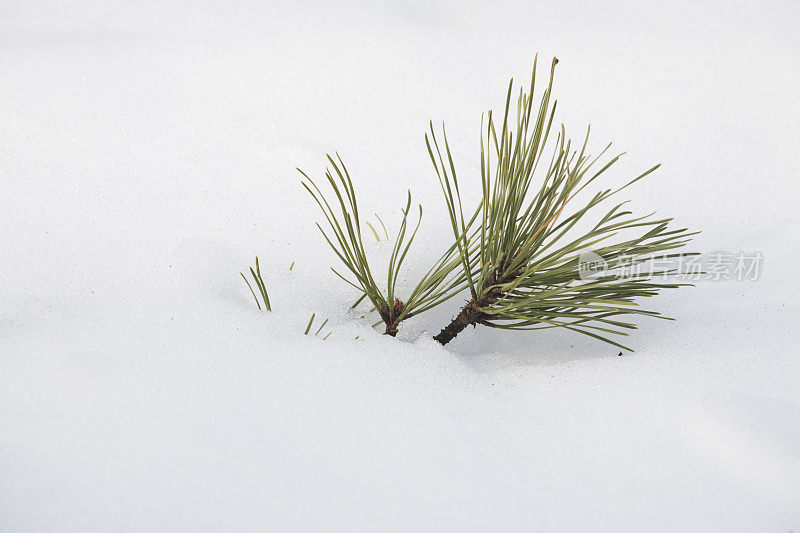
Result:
pixel 391 328
pixel 471 314
pixel 391 315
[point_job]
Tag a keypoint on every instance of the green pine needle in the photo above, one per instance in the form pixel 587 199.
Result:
pixel 310 321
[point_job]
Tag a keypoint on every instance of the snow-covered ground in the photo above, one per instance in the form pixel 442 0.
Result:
pixel 147 153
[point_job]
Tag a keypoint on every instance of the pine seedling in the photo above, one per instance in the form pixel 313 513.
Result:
pixel 344 236
pixel 262 289
pixel 521 251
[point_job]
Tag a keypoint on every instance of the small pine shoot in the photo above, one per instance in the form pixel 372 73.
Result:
pixel 262 289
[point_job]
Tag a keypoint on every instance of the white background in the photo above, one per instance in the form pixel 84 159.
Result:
pixel 147 153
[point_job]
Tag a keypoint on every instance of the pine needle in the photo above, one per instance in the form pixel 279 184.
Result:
pixel 310 321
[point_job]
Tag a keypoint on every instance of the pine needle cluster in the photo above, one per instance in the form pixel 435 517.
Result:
pixel 343 233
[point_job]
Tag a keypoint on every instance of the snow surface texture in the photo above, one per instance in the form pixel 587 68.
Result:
pixel 147 153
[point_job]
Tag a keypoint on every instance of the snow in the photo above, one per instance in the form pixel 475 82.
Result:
pixel 147 153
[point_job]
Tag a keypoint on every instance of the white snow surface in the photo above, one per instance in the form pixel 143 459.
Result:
pixel 148 152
